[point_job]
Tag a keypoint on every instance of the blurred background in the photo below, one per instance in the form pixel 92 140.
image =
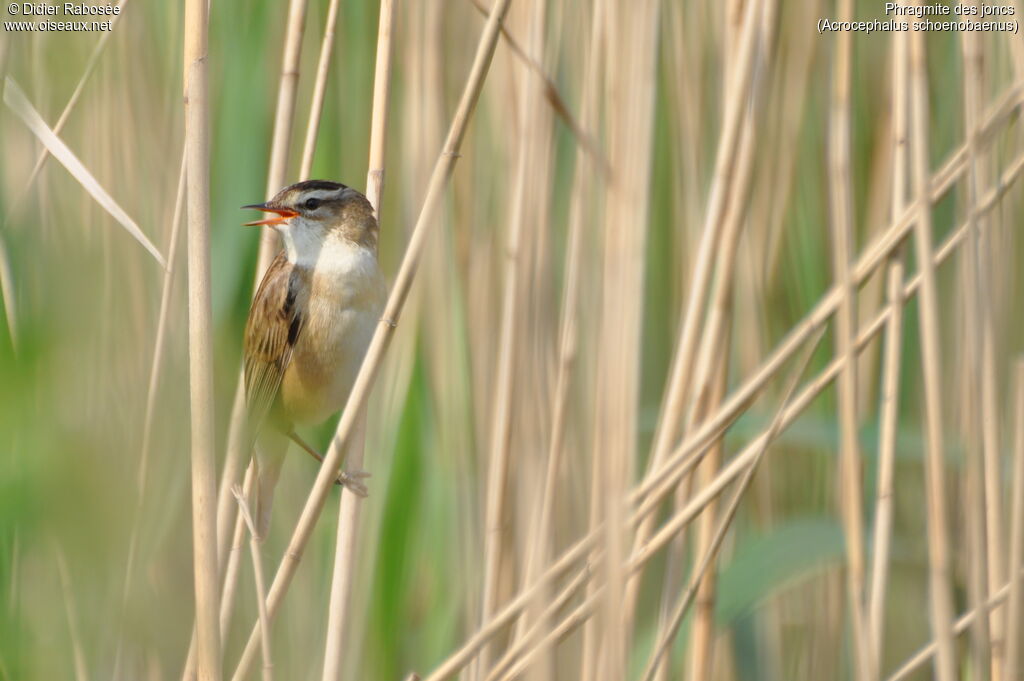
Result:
pixel 544 325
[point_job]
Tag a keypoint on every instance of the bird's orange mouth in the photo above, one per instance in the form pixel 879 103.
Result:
pixel 280 215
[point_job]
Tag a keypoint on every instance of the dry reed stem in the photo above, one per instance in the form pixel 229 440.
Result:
pixel 233 461
pixel 881 248
pixel 6 277
pixel 958 627
pixel 525 238
pixel 316 105
pixel 739 464
pixel 360 392
pixel 631 86
pixel 657 485
pixel 700 662
pixel 155 372
pixel 683 359
pixel 71 611
pixel 889 417
pixel 201 402
pixel 65 114
pixel 349 504
pixel 710 385
pixel 820 382
pixel 344 563
pixel 698 503
pixel 568 340
pixel 974 96
pixel 8 293
pixel 599 49
pixel 280 144
pixel 509 339
pixel 514 654
pixel 642 555
pixel 234 561
pixel 711 371
pixel 876 213
pixel 16 100
pixel 979 641
pixel 379 115
pixel 684 94
pixel 276 173
pixel 156 364
pixel 710 550
pixel 589 651
pixel 1016 591
pixel 841 224
pixel 793 99
pixel 257 566
pixel 583 138
pixel 889 399
pixel 939 575
pixel 986 635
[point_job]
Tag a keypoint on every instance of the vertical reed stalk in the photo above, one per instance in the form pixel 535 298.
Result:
pixel 516 264
pixel 599 51
pixel 261 591
pixel 980 171
pixel 673 404
pixel 6 276
pixel 939 575
pixel 316 107
pixel 650 492
pixel 568 334
pixel 986 635
pixel 656 485
pixel 379 115
pixel 378 345
pixel 71 611
pixel 1015 608
pixel 234 561
pixel 713 359
pixel 700 662
pixel 344 564
pixel 710 550
pixel 204 486
pixel 65 114
pixel 349 504
pixel 889 400
pixel 630 90
pixel 9 294
pixel 276 174
pixel 841 223
pixel 280 144
pixel 233 460
pixel 155 372
pixel 961 624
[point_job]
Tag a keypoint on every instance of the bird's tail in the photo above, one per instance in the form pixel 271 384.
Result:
pixel 269 454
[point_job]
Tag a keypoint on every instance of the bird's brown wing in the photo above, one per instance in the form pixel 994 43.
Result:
pixel 275 323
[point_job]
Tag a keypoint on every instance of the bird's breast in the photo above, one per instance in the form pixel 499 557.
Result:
pixel 345 304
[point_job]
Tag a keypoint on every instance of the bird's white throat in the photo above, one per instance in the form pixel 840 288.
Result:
pixel 326 253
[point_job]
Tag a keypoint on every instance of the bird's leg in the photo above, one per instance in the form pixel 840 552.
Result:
pixel 352 480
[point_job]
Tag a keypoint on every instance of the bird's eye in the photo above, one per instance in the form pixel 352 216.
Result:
pixel 311 204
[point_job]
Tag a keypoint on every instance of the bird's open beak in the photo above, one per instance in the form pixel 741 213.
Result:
pixel 281 214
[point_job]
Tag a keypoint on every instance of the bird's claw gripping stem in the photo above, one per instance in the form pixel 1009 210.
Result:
pixel 352 480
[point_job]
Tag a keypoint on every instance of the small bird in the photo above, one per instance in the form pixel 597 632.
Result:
pixel 310 323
